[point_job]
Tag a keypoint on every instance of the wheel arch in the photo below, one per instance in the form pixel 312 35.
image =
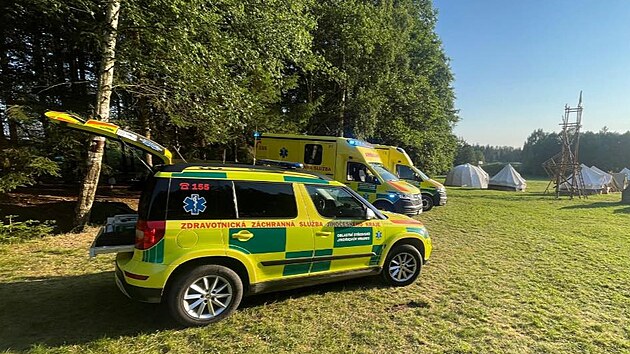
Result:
pixel 229 262
pixel 408 240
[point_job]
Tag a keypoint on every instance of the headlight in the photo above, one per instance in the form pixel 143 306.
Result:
pixel 442 189
pixel 406 196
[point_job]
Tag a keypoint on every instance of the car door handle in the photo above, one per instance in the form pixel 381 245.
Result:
pixel 243 235
pixel 323 233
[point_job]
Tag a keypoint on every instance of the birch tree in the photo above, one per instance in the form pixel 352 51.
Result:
pixel 97 144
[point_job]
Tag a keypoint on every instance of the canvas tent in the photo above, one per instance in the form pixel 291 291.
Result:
pixel 508 179
pixel 607 176
pixel 620 181
pixel 467 175
pixel 607 179
pixel 594 182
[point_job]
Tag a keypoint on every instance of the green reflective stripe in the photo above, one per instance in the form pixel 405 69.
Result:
pixel 201 174
pixel 367 187
pixel 418 230
pixel 154 254
pixel 320 266
pixel 293 269
pixel 326 252
pixel 415 229
pixel 305 180
pixel 377 250
pixel 299 254
pixel 265 240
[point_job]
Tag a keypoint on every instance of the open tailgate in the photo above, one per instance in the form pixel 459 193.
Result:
pixel 117 235
pixel 111 131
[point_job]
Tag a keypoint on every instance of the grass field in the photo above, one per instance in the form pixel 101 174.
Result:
pixel 510 273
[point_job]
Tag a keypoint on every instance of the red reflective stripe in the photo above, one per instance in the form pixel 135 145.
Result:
pixel 136 276
pixel 411 221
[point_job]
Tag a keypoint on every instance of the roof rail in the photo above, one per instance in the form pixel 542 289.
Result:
pixel 282 164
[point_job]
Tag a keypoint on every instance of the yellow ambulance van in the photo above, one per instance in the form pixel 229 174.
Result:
pixel 396 159
pixel 353 162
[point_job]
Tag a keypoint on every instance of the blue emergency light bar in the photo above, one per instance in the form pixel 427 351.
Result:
pixel 361 143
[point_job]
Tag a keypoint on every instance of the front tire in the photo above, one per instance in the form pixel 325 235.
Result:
pixel 427 202
pixel 206 294
pixel 402 265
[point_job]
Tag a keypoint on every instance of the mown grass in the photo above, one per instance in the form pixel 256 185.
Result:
pixel 510 273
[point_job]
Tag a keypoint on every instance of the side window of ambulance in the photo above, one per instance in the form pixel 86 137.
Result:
pixel 313 154
pixel 359 172
pixel 259 200
pixel 152 205
pixel 200 199
pixel 405 172
pixel 335 202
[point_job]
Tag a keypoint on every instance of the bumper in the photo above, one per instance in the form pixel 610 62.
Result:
pixel 408 207
pixel 151 295
pixel 441 196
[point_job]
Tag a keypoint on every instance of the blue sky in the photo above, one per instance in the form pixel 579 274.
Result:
pixel 517 63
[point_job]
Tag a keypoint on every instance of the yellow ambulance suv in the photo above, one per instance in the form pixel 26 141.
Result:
pixel 353 162
pixel 396 159
pixel 207 234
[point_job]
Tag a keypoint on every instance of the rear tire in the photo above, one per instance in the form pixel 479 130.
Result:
pixel 427 202
pixel 206 294
pixel 402 265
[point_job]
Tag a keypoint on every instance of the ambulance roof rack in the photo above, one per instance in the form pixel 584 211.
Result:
pixel 179 167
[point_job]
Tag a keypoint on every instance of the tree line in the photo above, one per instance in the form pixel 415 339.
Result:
pixel 609 151
pixel 202 77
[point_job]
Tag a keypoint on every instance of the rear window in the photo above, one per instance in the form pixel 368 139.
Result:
pixel 152 205
pixel 201 199
pixel 265 200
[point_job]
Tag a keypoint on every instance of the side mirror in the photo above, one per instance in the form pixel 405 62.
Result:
pixel 369 214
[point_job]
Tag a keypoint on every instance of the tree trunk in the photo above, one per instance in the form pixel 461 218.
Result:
pixel 143 113
pixel 103 95
pixel 342 112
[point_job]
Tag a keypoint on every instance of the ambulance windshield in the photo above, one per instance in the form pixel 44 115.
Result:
pixel 383 172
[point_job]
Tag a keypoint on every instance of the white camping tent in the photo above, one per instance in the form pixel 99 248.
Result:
pixel 626 171
pixel 607 176
pixel 508 179
pixel 467 175
pixel 593 181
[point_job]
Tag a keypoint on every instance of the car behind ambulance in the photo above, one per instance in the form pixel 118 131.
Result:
pixel 353 162
pixel 397 160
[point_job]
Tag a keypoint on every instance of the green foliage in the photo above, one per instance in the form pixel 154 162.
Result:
pixel 203 76
pixel 13 231
pixel 467 153
pixel 21 166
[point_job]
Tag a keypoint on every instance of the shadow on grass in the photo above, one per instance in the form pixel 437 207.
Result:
pixel 597 205
pixel 70 310
pixel 80 309
pixel 62 212
pixel 370 282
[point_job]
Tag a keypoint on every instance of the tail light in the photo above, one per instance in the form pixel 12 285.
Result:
pixel 148 233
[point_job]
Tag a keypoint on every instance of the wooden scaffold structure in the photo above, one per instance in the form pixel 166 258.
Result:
pixel 564 168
